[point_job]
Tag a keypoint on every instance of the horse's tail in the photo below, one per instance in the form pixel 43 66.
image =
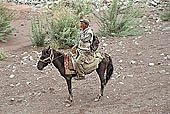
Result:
pixel 109 70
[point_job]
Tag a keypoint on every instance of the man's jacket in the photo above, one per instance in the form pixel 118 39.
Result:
pixel 86 38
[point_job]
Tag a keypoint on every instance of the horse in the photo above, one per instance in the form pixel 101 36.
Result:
pixel 51 56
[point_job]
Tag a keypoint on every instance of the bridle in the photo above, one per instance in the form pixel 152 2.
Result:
pixel 51 57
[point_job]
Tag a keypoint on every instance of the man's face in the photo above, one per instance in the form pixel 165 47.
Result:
pixel 83 26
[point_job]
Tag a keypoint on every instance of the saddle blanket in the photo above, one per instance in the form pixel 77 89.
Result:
pixel 87 68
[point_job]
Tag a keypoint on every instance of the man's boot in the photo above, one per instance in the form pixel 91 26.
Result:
pixel 79 77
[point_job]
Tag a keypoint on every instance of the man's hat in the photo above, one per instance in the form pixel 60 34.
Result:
pixel 85 21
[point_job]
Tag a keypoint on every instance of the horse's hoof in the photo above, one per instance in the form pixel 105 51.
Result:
pixel 96 99
pixel 68 102
pixel 68 105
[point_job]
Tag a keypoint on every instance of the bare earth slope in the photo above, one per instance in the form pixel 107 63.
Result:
pixel 140 83
pixel 22 25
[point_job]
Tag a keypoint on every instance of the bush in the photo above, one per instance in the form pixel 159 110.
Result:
pixel 3 55
pixel 166 14
pixel 118 19
pixel 81 8
pixel 6 17
pixel 64 27
pixel 38 31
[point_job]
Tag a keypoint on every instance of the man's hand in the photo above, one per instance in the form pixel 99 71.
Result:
pixel 73 49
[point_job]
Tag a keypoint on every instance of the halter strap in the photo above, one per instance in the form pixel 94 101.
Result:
pixel 51 57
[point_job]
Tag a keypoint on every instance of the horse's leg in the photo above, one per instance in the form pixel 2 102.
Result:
pixel 101 70
pixel 70 98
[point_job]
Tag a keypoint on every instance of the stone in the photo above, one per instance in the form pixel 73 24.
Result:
pixel 11 76
pixel 105 44
pixel 121 83
pixel 133 62
pixel 162 71
pixel 130 76
pixel 120 61
pixel 151 64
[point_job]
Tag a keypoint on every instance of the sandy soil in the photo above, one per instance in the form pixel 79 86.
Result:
pixel 140 83
pixel 22 25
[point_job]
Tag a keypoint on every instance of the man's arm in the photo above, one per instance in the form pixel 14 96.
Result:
pixel 86 37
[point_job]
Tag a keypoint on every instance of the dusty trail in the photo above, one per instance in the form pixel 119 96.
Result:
pixel 140 83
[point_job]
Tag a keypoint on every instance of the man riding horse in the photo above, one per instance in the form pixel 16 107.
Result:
pixel 82 51
pixel 86 61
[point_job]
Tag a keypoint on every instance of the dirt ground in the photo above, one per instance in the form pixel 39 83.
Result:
pixel 140 83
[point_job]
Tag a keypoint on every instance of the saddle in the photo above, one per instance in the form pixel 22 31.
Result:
pixel 87 67
pixel 68 64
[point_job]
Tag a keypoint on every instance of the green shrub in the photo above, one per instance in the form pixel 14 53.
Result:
pixel 38 31
pixel 118 19
pixel 3 55
pixel 54 44
pixel 64 27
pixel 166 14
pixel 6 17
pixel 81 8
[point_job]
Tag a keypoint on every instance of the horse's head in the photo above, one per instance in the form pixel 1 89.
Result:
pixel 45 59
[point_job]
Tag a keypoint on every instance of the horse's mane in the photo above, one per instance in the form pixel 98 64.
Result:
pixel 58 52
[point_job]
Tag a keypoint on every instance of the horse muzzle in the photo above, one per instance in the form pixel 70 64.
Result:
pixel 40 66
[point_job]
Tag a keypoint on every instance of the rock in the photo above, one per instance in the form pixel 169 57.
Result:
pixel 115 73
pixel 25 57
pixel 162 54
pixel 140 53
pixel 120 61
pixel 121 83
pixel 12 99
pixel 34 65
pixel 149 32
pixel 157 1
pixel 151 64
pixel 11 76
pixel 105 44
pixel 117 76
pixel 121 68
pixel 18 84
pixel 39 78
pixel 19 100
pixel 133 62
pixel 120 43
pixel 130 76
pixel 167 73
pixel 12 85
pixel 123 77
pixel 152 3
pixel 167 28
pixel 31 58
pixel 162 71
pixel 22 62
pixel 28 83
pixel 24 53
pixel 165 58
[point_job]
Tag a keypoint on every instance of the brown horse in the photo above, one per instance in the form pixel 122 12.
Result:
pixel 57 59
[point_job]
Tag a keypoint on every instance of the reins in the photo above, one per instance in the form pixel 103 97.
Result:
pixel 51 57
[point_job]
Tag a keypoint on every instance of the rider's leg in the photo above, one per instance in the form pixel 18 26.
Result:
pixel 79 68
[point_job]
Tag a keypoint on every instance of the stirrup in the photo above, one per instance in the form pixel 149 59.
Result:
pixel 79 77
